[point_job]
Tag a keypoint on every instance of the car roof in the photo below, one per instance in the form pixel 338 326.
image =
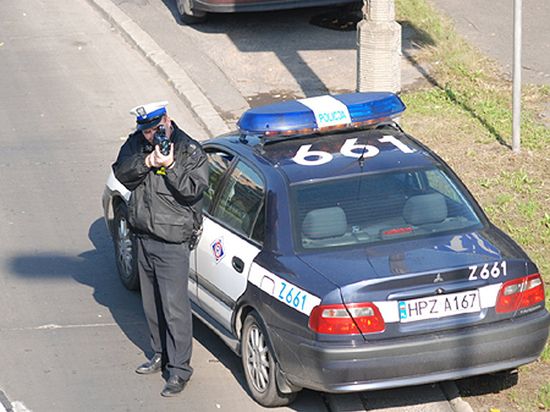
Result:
pixel 327 136
pixel 279 156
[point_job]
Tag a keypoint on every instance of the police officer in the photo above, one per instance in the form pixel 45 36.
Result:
pixel 164 212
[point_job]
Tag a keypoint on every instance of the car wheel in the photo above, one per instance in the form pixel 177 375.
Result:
pixel 125 249
pixel 259 365
pixel 188 14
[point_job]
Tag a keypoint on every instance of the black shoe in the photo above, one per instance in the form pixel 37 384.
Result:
pixel 153 365
pixel 173 386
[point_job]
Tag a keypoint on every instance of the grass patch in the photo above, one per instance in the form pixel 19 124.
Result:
pixel 529 209
pixel 546 353
pixel 470 80
pixel 544 396
pixel 465 115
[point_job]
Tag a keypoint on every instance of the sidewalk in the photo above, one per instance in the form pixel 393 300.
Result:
pixel 251 73
pixel 495 36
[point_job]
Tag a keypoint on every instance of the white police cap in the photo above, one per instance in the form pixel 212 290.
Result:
pixel 149 115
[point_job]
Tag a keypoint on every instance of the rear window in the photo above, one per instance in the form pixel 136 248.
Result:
pixel 379 207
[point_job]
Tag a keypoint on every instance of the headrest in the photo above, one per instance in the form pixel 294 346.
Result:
pixel 423 209
pixel 325 223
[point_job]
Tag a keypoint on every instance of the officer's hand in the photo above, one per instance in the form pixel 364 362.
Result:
pixel 150 161
pixel 162 160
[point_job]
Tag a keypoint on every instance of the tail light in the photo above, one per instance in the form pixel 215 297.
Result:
pixel 520 293
pixel 351 319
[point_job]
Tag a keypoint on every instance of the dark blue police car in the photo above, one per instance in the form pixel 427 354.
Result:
pixel 340 254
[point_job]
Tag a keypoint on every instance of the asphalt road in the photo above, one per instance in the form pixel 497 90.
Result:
pixel 70 334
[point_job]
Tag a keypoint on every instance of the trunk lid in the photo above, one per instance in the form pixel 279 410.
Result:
pixel 427 284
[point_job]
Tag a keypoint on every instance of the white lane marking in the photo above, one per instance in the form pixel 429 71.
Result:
pixel 51 326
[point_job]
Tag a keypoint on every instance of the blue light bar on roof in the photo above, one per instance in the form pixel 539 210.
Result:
pixel 321 113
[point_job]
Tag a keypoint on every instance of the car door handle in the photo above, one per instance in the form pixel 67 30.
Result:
pixel 238 264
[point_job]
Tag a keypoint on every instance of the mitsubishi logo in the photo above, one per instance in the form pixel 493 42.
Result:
pixel 438 278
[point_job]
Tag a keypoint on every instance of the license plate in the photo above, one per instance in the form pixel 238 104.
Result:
pixel 439 306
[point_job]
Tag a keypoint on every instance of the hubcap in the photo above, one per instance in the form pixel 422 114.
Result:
pixel 257 359
pixel 124 247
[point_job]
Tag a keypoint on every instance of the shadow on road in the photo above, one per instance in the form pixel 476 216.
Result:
pixel 485 384
pixel 220 352
pixel 289 35
pixel 418 39
pixel 94 268
pixel 252 33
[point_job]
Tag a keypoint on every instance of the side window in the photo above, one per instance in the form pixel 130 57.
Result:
pixel 258 232
pixel 241 199
pixel 437 181
pixel 218 163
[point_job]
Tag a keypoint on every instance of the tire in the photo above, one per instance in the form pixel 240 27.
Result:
pixel 259 365
pixel 189 15
pixel 125 248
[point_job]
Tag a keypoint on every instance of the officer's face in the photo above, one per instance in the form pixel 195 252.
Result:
pixel 149 133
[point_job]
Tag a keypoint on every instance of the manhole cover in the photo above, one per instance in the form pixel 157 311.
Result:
pixel 337 20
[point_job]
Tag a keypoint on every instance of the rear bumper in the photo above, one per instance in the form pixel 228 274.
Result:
pixel 230 6
pixel 415 360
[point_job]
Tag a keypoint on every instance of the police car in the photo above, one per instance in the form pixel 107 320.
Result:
pixel 195 11
pixel 340 254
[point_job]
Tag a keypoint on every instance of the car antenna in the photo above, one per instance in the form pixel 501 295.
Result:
pixel 242 138
pixel 361 161
pixel 361 158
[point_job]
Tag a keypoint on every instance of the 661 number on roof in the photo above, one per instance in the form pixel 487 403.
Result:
pixel 307 157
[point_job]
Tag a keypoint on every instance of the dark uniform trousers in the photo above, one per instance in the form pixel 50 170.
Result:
pixel 163 274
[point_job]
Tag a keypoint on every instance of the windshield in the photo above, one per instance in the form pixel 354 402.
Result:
pixel 378 207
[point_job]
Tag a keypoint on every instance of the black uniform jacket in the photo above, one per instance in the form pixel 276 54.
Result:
pixel 164 204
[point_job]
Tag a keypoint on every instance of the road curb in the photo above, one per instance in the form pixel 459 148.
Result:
pixel 176 76
pixel 452 394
